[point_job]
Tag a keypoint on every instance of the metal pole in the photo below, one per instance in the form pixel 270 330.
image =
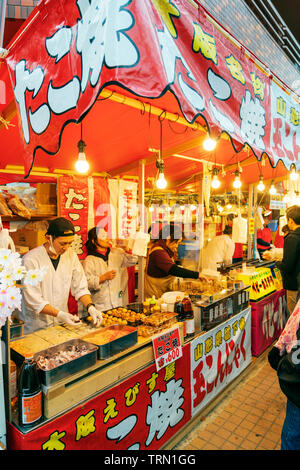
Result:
pixel 2 19
pixel 250 247
pixel 141 200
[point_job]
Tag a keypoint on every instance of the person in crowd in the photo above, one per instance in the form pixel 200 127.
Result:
pixel 47 303
pixel 290 264
pixel 219 250
pixel 104 270
pixel 276 253
pixel 284 358
pixel 161 268
pixel 264 235
pixel 237 256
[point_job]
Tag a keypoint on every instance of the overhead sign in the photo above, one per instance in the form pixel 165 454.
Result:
pixel 70 50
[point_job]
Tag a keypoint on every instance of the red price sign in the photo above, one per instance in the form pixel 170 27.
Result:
pixel 167 348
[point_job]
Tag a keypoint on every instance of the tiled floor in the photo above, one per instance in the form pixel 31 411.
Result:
pixel 249 418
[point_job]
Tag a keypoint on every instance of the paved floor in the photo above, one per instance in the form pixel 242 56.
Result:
pixel 249 418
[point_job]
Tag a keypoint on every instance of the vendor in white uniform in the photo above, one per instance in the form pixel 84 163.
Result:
pixel 219 250
pixel 46 304
pixel 104 268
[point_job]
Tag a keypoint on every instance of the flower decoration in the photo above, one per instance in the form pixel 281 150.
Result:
pixel 11 272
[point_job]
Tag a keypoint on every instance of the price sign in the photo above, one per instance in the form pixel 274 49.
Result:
pixel 167 348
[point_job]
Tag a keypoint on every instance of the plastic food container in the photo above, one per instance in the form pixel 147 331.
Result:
pixel 48 377
pixel 125 337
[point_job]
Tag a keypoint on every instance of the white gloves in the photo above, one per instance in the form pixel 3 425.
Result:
pixel 64 317
pixel 96 315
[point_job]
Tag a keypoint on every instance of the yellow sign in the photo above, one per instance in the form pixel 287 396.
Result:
pixel 261 283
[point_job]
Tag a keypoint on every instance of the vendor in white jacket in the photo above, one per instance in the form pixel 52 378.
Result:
pixel 218 250
pixel 47 303
pixel 104 270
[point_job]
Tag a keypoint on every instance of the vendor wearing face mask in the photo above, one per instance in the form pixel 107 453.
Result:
pixel 47 303
pixel 161 268
pixel 104 270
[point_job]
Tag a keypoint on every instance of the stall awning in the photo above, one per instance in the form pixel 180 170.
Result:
pixel 72 58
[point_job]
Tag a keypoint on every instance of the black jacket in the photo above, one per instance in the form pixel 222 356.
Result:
pixel 288 371
pixel 290 264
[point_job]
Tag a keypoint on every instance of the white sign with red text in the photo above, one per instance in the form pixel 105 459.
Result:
pixel 218 357
pixel 167 348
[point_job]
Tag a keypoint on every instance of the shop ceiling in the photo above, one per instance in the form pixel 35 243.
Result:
pixel 121 133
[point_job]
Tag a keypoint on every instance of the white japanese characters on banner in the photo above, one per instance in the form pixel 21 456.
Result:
pixel 218 357
pixel 285 127
pixel 127 209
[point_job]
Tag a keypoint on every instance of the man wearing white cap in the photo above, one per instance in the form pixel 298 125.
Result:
pixel 264 235
pixel 47 303
pixel 104 268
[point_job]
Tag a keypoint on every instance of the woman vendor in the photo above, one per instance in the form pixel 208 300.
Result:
pixel 104 269
pixel 160 267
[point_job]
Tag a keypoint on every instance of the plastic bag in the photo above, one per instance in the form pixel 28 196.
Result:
pixel 239 230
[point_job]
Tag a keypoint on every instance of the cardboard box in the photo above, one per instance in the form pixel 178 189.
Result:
pixel 46 198
pixel 30 238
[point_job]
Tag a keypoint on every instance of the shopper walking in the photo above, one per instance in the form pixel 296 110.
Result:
pixel 284 357
pixel 290 264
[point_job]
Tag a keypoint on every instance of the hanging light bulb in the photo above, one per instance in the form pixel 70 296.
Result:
pixel 215 183
pixel 272 189
pixel 261 185
pixel 161 182
pixel 237 182
pixel 286 198
pixel 228 205
pixel 182 207
pixel 209 144
pixel 293 174
pixel 151 209
pixel 81 165
pixel 193 207
pixel 220 208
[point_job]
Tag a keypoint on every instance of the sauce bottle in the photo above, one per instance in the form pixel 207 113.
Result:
pixel 188 317
pixel 178 308
pixel 29 394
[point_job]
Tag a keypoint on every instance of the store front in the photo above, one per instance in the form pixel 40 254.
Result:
pixel 144 108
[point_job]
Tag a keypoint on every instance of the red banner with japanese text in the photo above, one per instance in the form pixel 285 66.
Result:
pixel 268 318
pixel 70 50
pixel 74 205
pixel 142 412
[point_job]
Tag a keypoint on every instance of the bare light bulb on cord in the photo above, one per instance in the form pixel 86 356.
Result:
pixel 215 183
pixel 260 185
pixel 81 165
pixel 272 189
pixel 161 182
pixel 209 144
pixel 293 174
pixel 237 182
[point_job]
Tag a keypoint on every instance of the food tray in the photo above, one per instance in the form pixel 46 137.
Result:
pixel 158 319
pixel 16 328
pixel 131 317
pixel 106 347
pixel 48 377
